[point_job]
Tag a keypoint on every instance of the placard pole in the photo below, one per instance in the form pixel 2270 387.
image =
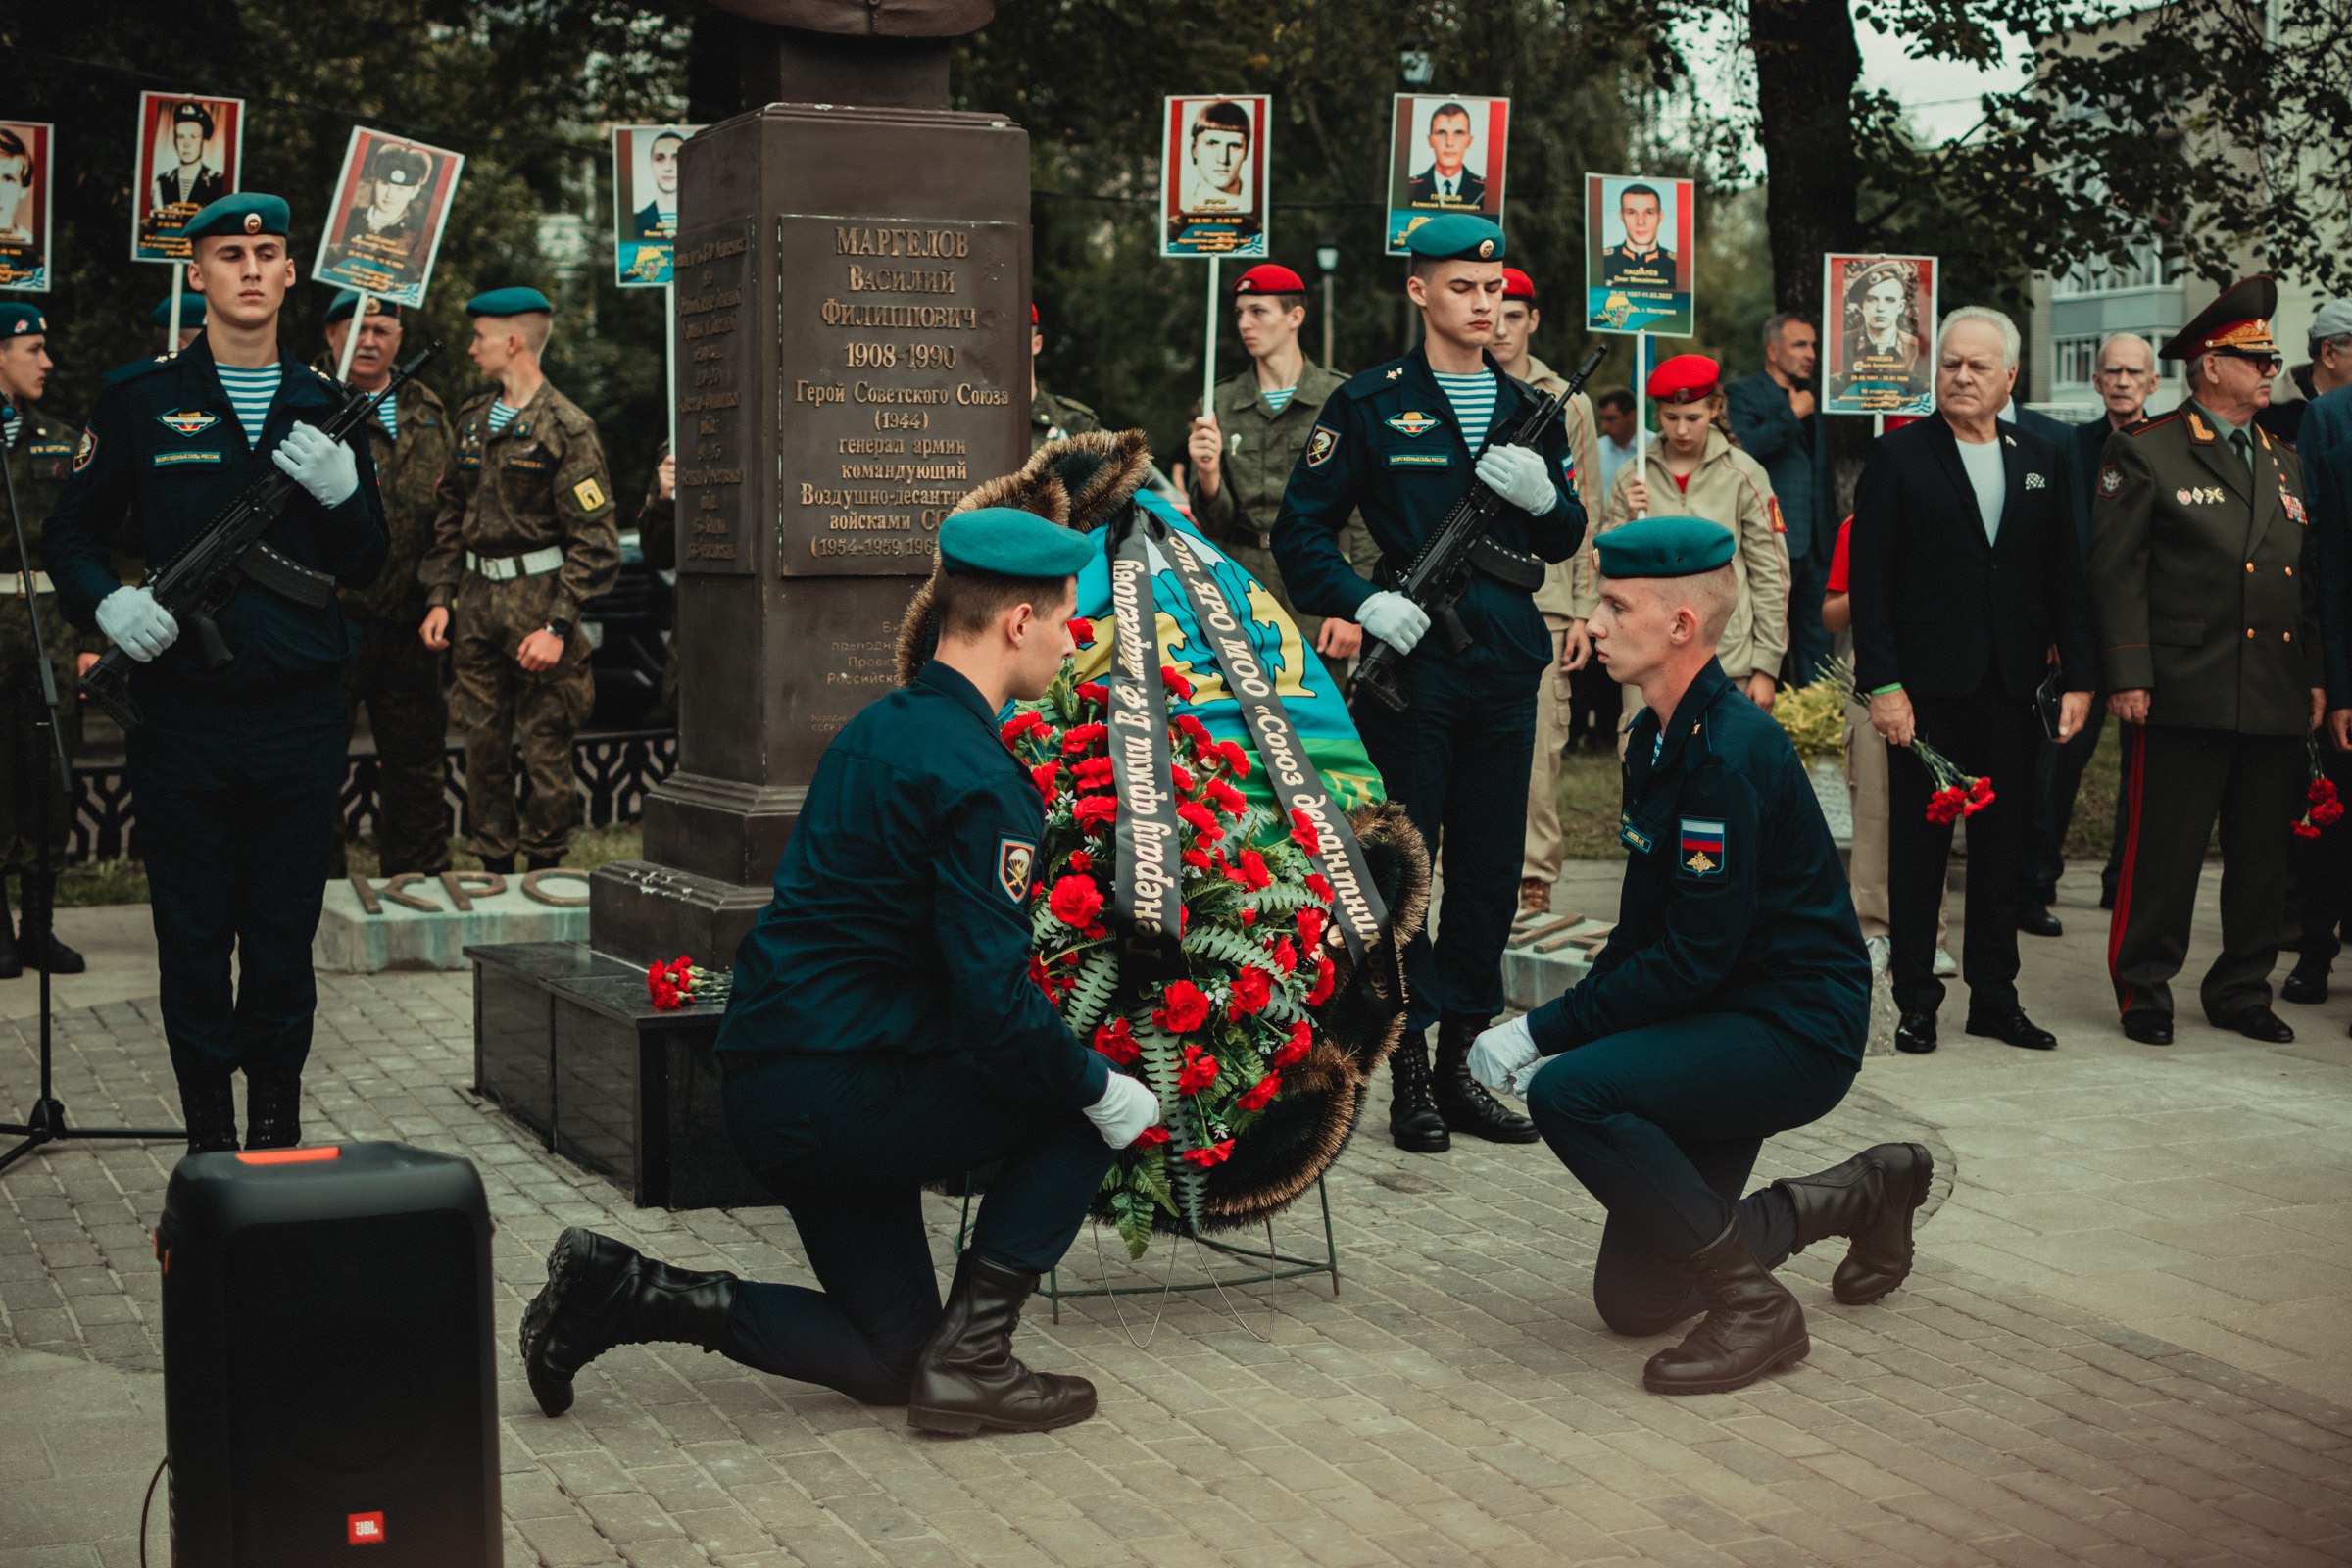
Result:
pixel 351 336
pixel 1208 347
pixel 1641 411
pixel 179 274
pixel 670 355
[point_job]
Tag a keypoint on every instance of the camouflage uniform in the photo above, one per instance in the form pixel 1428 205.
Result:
pixel 657 538
pixel 40 461
pixel 1052 417
pixel 395 674
pixel 548 499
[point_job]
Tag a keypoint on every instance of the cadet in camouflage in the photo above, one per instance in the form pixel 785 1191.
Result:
pixel 524 537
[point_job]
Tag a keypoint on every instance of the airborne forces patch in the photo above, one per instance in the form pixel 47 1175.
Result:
pixel 1321 445
pixel 88 450
pixel 1015 858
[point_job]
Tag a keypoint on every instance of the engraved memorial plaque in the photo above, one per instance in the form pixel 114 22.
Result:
pixel 717 330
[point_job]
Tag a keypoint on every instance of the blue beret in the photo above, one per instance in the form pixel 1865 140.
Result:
pixel 191 310
pixel 509 302
pixel 1012 543
pixel 246 213
pixel 1664 547
pixel 349 299
pixel 19 321
pixel 1456 237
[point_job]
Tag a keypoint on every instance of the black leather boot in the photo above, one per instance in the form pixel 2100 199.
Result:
pixel 1415 1124
pixel 273 1109
pixel 40 930
pixel 542 862
pixel 967 1377
pixel 208 1108
pixel 1871 1198
pixel 599 1294
pixel 499 865
pixel 1462 1100
pixel 12 963
pixel 1753 1326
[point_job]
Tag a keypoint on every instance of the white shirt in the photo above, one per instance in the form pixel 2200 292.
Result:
pixel 1990 478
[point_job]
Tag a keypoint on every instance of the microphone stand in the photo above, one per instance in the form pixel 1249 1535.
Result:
pixel 45 1123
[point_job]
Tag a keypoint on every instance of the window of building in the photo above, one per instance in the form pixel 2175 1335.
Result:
pixel 2145 267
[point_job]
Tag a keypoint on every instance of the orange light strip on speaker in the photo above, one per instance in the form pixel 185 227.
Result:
pixel 290 1156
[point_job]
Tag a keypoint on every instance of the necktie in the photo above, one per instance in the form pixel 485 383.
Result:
pixel 2243 445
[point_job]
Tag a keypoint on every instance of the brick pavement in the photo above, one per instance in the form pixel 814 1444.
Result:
pixel 1458 1401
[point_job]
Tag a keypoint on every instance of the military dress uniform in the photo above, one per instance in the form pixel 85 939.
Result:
pixel 1389 447
pixel 525 537
pixel 235 770
pixel 884 1032
pixel 2205 589
pixel 1053 418
pixel 396 676
pixel 1731 1003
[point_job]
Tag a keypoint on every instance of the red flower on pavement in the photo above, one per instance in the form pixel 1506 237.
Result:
pixel 1082 632
pixel 1304 833
pixel 1253 989
pixel 1150 1138
pixel 1325 973
pixel 1198 1071
pixel 1075 900
pixel 1215 1153
pixel 1116 1041
pixel 1293 1051
pixel 1096 811
pixel 1173 679
pixel 1260 1095
pixel 1182 1010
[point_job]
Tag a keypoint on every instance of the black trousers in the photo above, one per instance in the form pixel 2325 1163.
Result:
pixel 2057 780
pixel 1985 733
pixel 2176 784
pixel 1457 761
pixel 236 800
pixel 1662 1124
pixel 847 1141
pixel 2319 912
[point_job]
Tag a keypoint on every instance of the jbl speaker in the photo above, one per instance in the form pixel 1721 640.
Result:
pixel 328 1389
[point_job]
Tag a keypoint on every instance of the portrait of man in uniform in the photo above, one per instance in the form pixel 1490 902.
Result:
pixel 18 208
pixel 1447 154
pixel 25 205
pixel 1212 177
pixel 1216 174
pixel 646 166
pixel 189 153
pixel 391 204
pixel 1877 360
pixel 1638 262
pixel 1449 182
pixel 1638 259
pixel 658 219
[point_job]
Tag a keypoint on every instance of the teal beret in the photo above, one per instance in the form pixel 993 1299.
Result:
pixel 246 213
pixel 1664 547
pixel 509 302
pixel 1012 543
pixel 1456 237
pixel 348 300
pixel 191 310
pixel 19 321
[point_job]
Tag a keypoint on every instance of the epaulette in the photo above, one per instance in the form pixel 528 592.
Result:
pixel 2157 423
pixel 1366 382
pixel 138 368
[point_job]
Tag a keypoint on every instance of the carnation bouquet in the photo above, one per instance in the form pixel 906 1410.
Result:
pixel 2320 806
pixel 1957 794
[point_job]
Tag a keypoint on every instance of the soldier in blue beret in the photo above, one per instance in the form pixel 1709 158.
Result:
pixel 1731 1002
pixel 884 1032
pixel 236 769
pixel 1398 444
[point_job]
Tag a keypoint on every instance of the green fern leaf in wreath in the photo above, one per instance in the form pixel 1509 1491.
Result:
pixel 1221 946
pixel 1089 999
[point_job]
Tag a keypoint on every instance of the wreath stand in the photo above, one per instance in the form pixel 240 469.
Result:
pixel 1279 1266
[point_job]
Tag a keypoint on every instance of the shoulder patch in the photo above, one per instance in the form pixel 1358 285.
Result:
pixel 1321 445
pixel 2157 423
pixel 87 451
pixel 1014 858
pixel 589 494
pixel 2111 479
pixel 1702 847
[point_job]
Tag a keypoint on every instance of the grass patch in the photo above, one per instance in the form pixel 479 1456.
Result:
pixel 125 881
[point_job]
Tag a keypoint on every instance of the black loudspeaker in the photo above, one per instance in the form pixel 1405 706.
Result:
pixel 329 1391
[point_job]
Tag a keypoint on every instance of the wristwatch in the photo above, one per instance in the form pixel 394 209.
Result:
pixel 559 629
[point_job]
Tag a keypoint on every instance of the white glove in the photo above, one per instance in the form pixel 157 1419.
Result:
pixel 1518 475
pixel 1393 618
pixel 1500 1055
pixel 320 464
pixel 1125 1110
pixel 135 623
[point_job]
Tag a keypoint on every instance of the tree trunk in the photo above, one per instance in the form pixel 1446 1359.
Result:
pixel 1808 65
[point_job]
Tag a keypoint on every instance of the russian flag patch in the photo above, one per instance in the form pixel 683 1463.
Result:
pixel 1702 847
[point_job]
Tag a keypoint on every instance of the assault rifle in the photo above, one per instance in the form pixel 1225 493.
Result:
pixel 1464 542
pixel 196 584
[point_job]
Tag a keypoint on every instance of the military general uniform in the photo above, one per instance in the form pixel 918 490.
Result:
pixel 526 536
pixel 395 675
pixel 1731 1003
pixel 2204 586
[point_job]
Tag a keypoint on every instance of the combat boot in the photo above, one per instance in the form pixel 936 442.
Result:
pixel 38 946
pixel 601 1292
pixel 1753 1326
pixel 273 1109
pixel 967 1376
pixel 1462 1101
pixel 209 1106
pixel 1871 1198
pixel 1415 1124
pixel 542 862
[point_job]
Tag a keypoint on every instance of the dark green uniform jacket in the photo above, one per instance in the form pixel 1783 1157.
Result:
pixel 900 921
pixel 164 444
pixel 1733 901
pixel 406 471
pixel 40 462
pixel 2203 577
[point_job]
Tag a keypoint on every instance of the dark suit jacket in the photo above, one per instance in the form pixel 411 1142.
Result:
pixel 1423 189
pixel 2327 454
pixel 1770 432
pixel 1936 606
pixel 2062 437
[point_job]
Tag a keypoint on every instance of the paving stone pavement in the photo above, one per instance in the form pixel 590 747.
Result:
pixel 1457 1402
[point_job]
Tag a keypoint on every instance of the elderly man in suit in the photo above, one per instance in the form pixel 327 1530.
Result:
pixel 1964 574
pixel 2203 579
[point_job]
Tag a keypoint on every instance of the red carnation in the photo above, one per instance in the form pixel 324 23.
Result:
pixel 1260 1095
pixel 1253 988
pixel 2327 812
pixel 1228 798
pixel 1197 860
pixel 2304 830
pixel 656 972
pixel 1199 1070
pixel 1116 1041
pixel 1285 956
pixel 1096 811
pixel 1092 691
pixel 1201 819
pixel 1082 632
pixel 1248 918
pixel 1310 927
pixel 1215 1153
pixel 1091 773
pixel 1293 1051
pixel 1042 776
pixel 1235 759
pixel 1325 971
pixel 1150 1138
pixel 1037 972
pixel 1254 876
pixel 1306 834
pixel 1081 736
pixel 1080 860
pixel 1183 1009
pixel 1075 900
pixel 1183 776
pixel 1173 679
pixel 1319 885
pixel 1026 722
pixel 665 996
pixel 1194 731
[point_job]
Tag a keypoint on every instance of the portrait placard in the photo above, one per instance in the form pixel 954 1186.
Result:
pixel 1447 154
pixel 25 149
pixel 1638 257
pixel 1878 334
pixel 645 203
pixel 1212 175
pixel 391 209
pixel 190 153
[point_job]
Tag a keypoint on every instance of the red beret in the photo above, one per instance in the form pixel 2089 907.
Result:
pixel 1685 378
pixel 1517 285
pixel 1267 278
pixel 1032 315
